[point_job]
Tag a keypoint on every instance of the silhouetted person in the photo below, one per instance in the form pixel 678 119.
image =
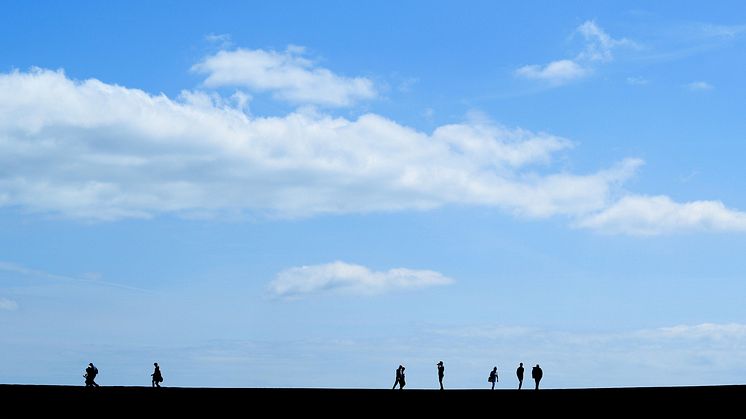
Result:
pixel 399 378
pixel 519 373
pixel 157 377
pixel 441 372
pixel 90 375
pixel 536 374
pixel 493 377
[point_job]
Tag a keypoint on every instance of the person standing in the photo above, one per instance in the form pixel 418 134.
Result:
pixel 90 375
pixel 536 374
pixel 441 372
pixel 402 381
pixel 519 373
pixel 157 377
pixel 493 377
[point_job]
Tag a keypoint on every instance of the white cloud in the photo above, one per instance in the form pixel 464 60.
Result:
pixel 288 75
pixel 598 44
pixel 699 86
pixel 651 215
pixel 598 48
pixel 8 305
pixel 98 151
pixel 556 72
pixel 350 279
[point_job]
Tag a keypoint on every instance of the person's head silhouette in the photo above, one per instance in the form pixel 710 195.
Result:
pixel 440 363
pixel 155 363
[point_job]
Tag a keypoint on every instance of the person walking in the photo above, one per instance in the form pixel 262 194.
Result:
pixel 441 372
pixel 157 377
pixel 493 377
pixel 90 375
pixel 519 373
pixel 399 378
pixel 536 374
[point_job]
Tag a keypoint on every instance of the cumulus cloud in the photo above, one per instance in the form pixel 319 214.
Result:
pixel 651 215
pixel 288 75
pixel 99 151
pixel 598 47
pixel 349 278
pixel 699 86
pixel 8 305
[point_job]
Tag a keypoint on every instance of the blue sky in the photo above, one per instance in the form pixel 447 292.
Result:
pixel 308 194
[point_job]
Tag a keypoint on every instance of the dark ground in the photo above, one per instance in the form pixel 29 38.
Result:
pixel 603 402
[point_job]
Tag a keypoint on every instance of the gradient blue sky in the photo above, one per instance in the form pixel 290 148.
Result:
pixel 310 193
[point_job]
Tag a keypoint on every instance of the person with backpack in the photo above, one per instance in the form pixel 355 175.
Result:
pixel 90 375
pixel 537 374
pixel 493 377
pixel 157 377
